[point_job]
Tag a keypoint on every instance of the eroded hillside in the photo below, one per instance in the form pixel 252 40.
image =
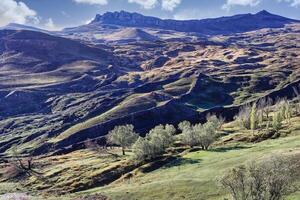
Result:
pixel 57 92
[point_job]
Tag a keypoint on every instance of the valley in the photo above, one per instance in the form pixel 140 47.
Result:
pixel 60 89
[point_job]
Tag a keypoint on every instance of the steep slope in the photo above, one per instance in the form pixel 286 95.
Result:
pixel 32 51
pixel 79 90
pixel 130 35
pixel 223 25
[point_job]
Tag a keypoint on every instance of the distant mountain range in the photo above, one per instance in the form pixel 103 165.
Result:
pixel 122 27
pixel 222 25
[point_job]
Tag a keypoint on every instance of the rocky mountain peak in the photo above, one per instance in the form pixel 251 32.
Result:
pixel 226 25
pixel 264 12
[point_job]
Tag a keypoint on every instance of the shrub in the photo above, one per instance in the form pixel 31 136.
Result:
pixel 268 180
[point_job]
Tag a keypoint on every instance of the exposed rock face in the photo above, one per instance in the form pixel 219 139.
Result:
pixel 223 25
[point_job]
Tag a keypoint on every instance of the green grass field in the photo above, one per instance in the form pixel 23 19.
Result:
pixel 194 176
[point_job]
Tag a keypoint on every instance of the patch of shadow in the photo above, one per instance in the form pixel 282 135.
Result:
pixel 150 167
pixel 181 162
pixel 226 149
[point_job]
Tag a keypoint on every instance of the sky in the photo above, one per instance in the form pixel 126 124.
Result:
pixel 57 14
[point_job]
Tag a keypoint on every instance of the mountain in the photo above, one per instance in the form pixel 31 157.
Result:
pixel 125 68
pixel 222 25
pixel 130 35
pixel 33 51
pixel 15 26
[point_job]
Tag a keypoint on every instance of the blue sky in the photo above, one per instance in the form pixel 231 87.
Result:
pixel 55 14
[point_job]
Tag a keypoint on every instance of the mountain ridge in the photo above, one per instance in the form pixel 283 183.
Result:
pixel 212 26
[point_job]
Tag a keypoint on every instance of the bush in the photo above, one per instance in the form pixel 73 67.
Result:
pixel 268 180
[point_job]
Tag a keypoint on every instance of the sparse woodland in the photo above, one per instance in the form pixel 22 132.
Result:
pixel 270 179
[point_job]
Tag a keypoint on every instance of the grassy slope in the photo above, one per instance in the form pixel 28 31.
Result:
pixel 194 176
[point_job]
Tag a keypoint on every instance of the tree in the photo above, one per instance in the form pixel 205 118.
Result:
pixel 208 134
pixel 287 111
pixel 264 105
pixel 161 137
pixel 142 149
pixel 243 117
pixel 202 135
pixel 154 143
pixel 277 121
pixel 268 180
pixel 123 136
pixel 253 117
pixel 216 122
pixel 185 125
pixel 297 99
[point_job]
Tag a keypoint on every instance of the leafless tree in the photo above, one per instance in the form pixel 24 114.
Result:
pixel 268 180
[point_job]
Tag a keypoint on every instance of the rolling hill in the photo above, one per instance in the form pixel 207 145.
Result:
pixel 80 87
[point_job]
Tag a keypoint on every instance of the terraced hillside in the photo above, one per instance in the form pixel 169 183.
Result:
pixel 62 92
pixel 162 77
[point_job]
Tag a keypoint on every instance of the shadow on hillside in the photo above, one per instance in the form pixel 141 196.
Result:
pixel 226 149
pixel 181 161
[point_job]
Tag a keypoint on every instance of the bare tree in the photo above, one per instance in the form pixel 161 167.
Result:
pixel 297 99
pixel 243 117
pixel 268 180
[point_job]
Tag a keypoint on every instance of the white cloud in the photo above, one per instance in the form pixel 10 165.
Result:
pixel 170 4
pixel 294 3
pixel 92 2
pixel 16 12
pixel 49 25
pixel 147 4
pixel 231 3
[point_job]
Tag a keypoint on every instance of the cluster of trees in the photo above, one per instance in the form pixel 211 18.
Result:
pixel 267 180
pixel 258 115
pixel 202 135
pixel 154 143
pixel 162 137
